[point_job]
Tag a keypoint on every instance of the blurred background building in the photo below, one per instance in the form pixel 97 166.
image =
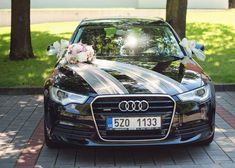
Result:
pixel 139 4
pixel 75 10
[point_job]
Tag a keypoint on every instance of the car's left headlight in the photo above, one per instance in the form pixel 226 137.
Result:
pixel 64 97
pixel 201 94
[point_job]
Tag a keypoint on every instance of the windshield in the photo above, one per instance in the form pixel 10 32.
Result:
pixel 114 41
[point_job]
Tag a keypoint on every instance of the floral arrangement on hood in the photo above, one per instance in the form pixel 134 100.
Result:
pixel 71 53
pixel 190 47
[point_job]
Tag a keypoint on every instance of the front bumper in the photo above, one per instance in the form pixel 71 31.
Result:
pixel 74 124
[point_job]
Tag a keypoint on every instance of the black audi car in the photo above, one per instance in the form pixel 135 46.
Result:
pixel 138 91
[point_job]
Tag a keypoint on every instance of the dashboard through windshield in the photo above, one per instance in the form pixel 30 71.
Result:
pixel 121 41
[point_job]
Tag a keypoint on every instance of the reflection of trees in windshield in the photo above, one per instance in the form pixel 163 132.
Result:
pixel 132 41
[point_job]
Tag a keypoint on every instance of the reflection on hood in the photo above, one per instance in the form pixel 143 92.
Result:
pixel 114 77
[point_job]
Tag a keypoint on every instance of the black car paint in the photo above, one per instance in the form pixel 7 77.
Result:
pixel 187 127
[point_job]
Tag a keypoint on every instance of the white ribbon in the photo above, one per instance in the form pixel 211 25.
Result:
pixel 190 47
pixel 58 48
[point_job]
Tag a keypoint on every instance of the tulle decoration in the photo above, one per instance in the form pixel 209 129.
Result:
pixel 190 47
pixel 58 48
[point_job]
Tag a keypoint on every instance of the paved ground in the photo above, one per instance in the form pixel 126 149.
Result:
pixel 21 142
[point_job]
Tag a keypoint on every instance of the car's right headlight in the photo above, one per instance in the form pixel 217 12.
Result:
pixel 64 97
pixel 201 94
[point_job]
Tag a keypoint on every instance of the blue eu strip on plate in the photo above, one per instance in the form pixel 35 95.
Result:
pixel 109 122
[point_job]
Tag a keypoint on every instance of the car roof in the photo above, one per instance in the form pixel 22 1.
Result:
pixel 120 20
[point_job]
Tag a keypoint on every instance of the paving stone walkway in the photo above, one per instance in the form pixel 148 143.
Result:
pixel 19 115
pixel 21 142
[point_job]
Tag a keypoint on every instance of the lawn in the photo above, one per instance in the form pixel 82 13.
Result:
pixel 219 41
pixel 31 72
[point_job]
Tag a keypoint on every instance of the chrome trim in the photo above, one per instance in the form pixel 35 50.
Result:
pixel 131 105
pixel 133 95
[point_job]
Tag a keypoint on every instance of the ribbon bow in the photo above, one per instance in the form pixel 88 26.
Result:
pixel 190 47
pixel 58 48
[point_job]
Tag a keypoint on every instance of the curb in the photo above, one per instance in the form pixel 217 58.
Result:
pixel 39 90
pixel 224 87
pixel 21 91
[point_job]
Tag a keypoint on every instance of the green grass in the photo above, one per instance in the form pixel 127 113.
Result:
pixel 31 72
pixel 219 41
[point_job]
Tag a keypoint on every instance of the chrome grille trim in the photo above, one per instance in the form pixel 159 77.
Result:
pixel 132 95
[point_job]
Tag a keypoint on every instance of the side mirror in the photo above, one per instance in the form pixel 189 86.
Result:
pixel 200 46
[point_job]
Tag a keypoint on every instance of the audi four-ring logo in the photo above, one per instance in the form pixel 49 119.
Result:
pixel 136 105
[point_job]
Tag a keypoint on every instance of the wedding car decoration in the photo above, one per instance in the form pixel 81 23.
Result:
pixel 79 52
pixel 190 48
pixel 127 98
pixel 71 53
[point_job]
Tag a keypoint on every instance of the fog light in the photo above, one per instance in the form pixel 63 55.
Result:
pixel 204 113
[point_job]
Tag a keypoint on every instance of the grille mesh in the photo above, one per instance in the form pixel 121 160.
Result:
pixel 104 107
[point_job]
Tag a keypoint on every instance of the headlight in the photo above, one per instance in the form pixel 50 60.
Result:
pixel 63 97
pixel 200 94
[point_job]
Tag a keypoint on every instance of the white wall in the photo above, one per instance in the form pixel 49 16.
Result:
pixel 192 4
pixel 152 3
pixel 76 3
pixel 206 4
pixel 83 3
pixel 200 4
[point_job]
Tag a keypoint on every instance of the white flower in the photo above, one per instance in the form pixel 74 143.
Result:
pixel 64 43
pixel 82 57
pixel 90 49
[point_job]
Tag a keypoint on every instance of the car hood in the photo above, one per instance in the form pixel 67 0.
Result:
pixel 119 77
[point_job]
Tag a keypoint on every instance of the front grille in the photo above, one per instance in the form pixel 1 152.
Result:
pixel 107 106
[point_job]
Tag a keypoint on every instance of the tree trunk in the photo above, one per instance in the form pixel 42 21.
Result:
pixel 231 3
pixel 176 11
pixel 20 47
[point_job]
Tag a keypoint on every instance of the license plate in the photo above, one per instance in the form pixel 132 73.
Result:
pixel 133 123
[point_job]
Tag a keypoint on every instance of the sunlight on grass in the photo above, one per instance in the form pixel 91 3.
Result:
pixel 219 43
pixel 225 17
pixel 32 72
pixel 218 39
